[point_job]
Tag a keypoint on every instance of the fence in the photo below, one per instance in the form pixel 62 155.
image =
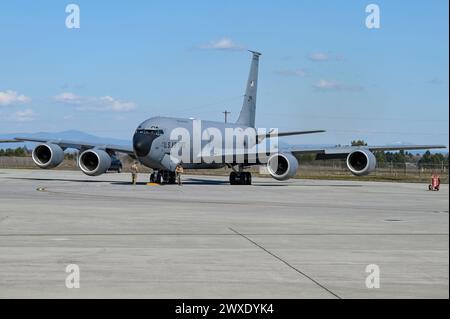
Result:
pixel 388 170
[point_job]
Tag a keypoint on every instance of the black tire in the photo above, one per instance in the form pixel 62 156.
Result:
pixel 248 178
pixel 243 178
pixel 233 176
pixel 158 178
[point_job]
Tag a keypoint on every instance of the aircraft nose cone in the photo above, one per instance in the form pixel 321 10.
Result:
pixel 142 144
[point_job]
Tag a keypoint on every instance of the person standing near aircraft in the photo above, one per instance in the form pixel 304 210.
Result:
pixel 179 170
pixel 134 173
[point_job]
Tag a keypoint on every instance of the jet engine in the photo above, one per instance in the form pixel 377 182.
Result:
pixel 282 166
pixel 48 155
pixel 361 162
pixel 94 162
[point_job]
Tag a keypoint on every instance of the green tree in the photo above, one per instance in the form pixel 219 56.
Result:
pixel 359 143
pixel 429 160
pixel 306 158
pixel 381 157
pixel 20 152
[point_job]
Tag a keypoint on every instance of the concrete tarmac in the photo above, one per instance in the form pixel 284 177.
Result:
pixel 208 239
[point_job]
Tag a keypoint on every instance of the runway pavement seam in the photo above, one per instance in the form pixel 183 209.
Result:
pixel 286 263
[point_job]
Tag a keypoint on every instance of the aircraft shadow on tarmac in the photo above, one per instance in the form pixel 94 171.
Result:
pixel 189 181
pixel 60 180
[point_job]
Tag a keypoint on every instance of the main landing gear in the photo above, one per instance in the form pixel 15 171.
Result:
pixel 163 177
pixel 240 178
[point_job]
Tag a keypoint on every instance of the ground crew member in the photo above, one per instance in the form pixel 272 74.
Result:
pixel 134 173
pixel 178 172
pixel 435 183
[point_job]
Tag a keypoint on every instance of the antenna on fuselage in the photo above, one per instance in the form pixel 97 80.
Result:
pixel 226 115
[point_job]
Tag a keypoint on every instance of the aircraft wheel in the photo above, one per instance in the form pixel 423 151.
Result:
pixel 172 178
pixel 243 178
pixel 158 178
pixel 233 177
pixel 248 178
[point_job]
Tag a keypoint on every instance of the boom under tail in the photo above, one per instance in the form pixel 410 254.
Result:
pixel 248 111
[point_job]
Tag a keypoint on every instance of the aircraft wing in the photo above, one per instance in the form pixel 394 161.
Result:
pixel 321 152
pixel 79 145
pixel 261 137
pixel 343 150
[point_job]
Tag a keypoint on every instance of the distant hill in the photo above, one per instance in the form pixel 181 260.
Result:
pixel 67 135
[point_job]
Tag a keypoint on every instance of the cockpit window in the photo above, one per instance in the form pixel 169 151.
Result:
pixel 154 132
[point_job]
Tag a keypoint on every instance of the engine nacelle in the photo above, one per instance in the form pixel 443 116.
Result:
pixel 47 155
pixel 282 166
pixel 94 162
pixel 361 162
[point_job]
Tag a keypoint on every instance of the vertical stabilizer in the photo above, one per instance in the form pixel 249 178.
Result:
pixel 247 115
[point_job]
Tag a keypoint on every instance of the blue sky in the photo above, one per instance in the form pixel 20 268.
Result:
pixel 321 67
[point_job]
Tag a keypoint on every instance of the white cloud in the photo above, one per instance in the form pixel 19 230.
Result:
pixel 22 116
pixel 291 72
pixel 222 44
pixel 12 97
pixel 319 56
pixel 68 97
pixel 101 104
pixel 324 57
pixel 117 106
pixel 325 85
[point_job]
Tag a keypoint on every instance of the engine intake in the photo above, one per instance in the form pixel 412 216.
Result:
pixel 47 155
pixel 361 162
pixel 282 166
pixel 94 162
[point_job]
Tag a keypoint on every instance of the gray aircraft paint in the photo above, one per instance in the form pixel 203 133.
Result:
pixel 247 115
pixel 154 150
pixel 161 147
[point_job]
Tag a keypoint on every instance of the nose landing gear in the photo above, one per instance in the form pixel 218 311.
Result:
pixel 163 177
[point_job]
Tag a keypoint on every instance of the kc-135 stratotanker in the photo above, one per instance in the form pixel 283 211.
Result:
pixel 157 145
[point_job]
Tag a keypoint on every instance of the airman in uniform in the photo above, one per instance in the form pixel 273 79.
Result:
pixel 178 172
pixel 134 173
